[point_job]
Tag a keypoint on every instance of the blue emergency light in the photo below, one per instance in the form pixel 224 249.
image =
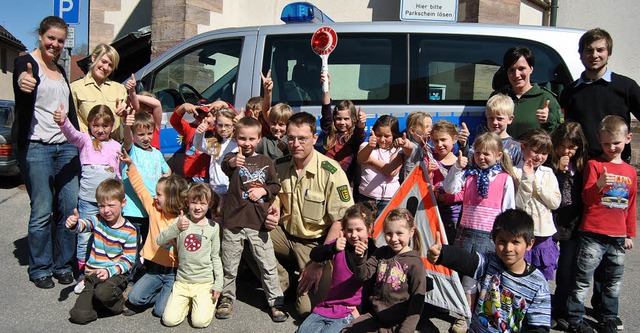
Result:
pixel 303 12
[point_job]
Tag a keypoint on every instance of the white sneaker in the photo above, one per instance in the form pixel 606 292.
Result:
pixel 79 287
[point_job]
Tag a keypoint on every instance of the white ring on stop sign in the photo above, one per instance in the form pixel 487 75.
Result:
pixel 323 42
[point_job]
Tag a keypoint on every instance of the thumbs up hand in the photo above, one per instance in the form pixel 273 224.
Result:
pixel 434 251
pixel 362 118
pixel 401 141
pixel 527 167
pixel 59 116
pixel 341 242
pixel 183 222
pixel 606 179
pixel 543 114
pixel 72 220
pixel 26 81
pixel 463 135
pixel 131 84
pixel 203 127
pixel 463 161
pixel 373 140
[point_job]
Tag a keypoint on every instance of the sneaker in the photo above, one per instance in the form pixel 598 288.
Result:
pixel 79 287
pixel 459 326
pixel 127 312
pixel 224 308
pixel 44 282
pixel 64 277
pixel 580 327
pixel 618 323
pixel 608 326
pixel 277 315
pixel 559 324
pixel 126 292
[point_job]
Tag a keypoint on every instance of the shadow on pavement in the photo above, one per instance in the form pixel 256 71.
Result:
pixel 21 251
pixel 10 182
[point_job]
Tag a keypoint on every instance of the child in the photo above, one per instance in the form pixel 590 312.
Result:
pixel 154 287
pixel 514 296
pixel 381 163
pixel 568 159
pixel 146 102
pixel 400 281
pixel 113 252
pixel 253 107
pixel 217 146
pixel 608 226
pixel 444 136
pixel 274 123
pixel 199 278
pixel 338 308
pixel 342 130
pixel 100 160
pixel 415 149
pixel 195 165
pixel 151 165
pixel 487 190
pixel 253 184
pixel 538 193
pixel 499 114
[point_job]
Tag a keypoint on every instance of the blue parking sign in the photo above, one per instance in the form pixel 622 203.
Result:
pixel 68 10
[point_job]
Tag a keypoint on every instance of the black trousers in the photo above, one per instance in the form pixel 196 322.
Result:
pixel 98 294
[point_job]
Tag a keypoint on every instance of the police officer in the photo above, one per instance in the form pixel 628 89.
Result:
pixel 315 194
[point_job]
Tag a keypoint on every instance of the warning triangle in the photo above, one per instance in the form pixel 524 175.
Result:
pixel 416 195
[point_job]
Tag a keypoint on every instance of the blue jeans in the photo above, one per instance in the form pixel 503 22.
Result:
pixel 316 323
pixel 50 173
pixel 86 209
pixel 597 250
pixel 153 288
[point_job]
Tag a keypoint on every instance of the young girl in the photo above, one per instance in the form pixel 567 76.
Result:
pixel 487 190
pixel 198 241
pixel 400 281
pixel 100 160
pixel 414 149
pixel 538 193
pixel 342 130
pixel 381 163
pixel 444 136
pixel 161 262
pixel 568 159
pixel 217 146
pixel 338 308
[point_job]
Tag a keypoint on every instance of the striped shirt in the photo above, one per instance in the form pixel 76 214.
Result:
pixel 113 249
pixel 509 301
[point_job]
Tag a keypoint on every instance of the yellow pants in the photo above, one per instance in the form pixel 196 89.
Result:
pixel 196 296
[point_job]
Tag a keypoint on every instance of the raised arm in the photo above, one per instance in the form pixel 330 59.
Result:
pixel 267 84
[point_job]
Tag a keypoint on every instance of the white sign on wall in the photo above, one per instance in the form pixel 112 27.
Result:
pixel 70 42
pixel 429 10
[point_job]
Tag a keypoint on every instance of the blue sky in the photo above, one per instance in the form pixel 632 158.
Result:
pixel 22 18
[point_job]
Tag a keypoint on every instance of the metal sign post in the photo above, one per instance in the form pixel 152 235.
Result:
pixel 323 42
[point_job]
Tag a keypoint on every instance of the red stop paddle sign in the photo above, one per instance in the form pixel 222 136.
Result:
pixel 324 40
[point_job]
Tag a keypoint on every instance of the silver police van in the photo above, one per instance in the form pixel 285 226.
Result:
pixel 448 70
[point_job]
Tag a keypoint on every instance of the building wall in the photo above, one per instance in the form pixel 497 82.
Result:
pixel 6 75
pixel 618 17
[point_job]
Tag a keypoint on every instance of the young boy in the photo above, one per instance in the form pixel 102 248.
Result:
pixel 199 278
pixel 253 108
pixel 112 253
pixel 499 115
pixel 274 123
pixel 514 296
pixel 195 165
pixel 607 228
pixel 138 134
pixel 146 102
pixel 253 184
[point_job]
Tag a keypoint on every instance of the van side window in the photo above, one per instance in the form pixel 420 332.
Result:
pixel 365 68
pixel 454 69
pixel 207 71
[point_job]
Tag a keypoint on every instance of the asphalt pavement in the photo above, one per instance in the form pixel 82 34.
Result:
pixel 26 308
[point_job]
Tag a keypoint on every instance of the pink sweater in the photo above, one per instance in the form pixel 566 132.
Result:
pixel 108 155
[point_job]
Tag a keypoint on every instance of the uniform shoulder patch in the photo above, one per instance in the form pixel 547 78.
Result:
pixel 329 167
pixel 343 193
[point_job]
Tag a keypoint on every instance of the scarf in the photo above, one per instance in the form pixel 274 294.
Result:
pixel 482 182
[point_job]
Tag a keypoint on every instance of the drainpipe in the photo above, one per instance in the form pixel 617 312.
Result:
pixel 553 15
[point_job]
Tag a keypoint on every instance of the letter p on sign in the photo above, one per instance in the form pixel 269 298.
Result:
pixel 68 10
